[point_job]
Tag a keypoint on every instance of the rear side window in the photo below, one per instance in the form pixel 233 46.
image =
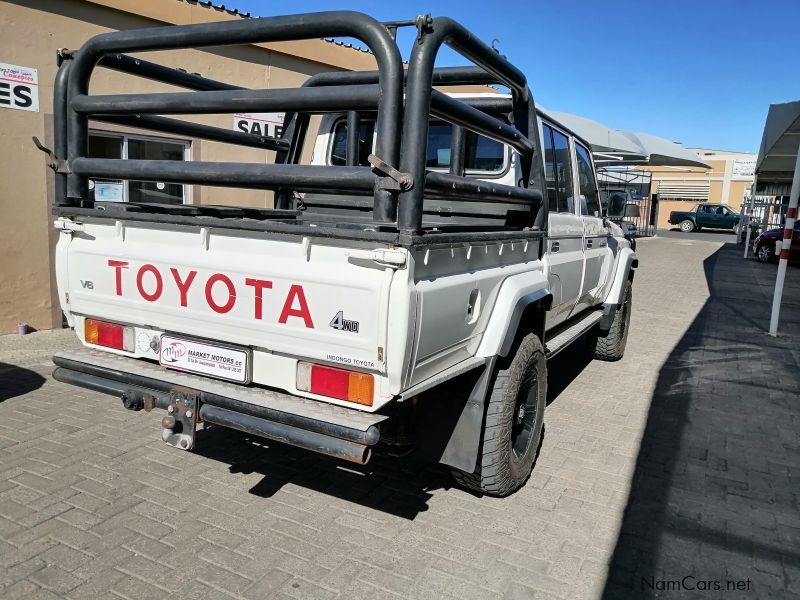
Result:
pixel 480 153
pixel 586 180
pixel 558 170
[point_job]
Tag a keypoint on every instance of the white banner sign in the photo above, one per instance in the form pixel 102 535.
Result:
pixel 269 124
pixel 744 167
pixel 19 87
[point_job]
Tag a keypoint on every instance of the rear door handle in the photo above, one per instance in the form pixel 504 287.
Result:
pixel 589 243
pixel 555 246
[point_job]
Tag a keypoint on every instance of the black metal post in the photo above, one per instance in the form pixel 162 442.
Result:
pixel 353 138
pixel 458 141
pixel 196 130
pixel 149 70
pixel 226 174
pixel 324 99
pixel 60 130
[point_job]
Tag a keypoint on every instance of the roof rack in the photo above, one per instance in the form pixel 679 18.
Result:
pixel 398 180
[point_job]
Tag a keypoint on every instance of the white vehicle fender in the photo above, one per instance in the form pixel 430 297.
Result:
pixel 626 261
pixel 516 294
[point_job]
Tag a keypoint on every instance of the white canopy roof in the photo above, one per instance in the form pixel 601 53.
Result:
pixel 779 143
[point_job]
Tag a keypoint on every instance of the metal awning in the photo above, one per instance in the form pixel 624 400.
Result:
pixel 602 139
pixel 662 152
pixel 613 147
pixel 779 144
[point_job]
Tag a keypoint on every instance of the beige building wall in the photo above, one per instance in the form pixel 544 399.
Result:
pixel 724 186
pixel 31 31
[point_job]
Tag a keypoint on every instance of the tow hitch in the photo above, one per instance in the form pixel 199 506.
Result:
pixel 183 414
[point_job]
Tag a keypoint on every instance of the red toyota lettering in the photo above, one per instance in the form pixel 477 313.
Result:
pixel 259 286
pixel 220 308
pixel 118 265
pixel 296 291
pixel 183 286
pixel 148 268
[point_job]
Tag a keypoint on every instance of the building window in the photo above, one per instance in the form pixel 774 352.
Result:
pixel 110 145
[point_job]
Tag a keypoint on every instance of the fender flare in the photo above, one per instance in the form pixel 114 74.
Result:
pixel 516 294
pixel 626 262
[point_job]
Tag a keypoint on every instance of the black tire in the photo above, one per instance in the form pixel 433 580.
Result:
pixel 687 226
pixel 764 253
pixel 514 423
pixel 611 345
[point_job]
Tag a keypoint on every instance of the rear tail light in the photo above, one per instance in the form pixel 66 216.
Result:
pixel 110 335
pixel 351 386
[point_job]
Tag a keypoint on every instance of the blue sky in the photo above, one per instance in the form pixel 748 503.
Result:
pixel 701 72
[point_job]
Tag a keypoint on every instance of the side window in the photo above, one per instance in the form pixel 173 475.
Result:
pixel 588 185
pixel 339 144
pixel 563 170
pixel 558 170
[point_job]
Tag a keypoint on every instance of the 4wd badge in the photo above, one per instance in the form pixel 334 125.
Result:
pixel 342 324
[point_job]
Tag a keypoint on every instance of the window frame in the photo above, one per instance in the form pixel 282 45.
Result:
pixel 570 144
pixel 594 179
pixel 125 137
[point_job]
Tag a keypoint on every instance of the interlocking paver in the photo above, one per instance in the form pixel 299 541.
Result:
pixel 693 432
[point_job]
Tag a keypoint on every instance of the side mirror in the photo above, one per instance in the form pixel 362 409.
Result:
pixel 631 210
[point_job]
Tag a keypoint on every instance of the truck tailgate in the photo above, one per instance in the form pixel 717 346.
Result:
pixel 285 295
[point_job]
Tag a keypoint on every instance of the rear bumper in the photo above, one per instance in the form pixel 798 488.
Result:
pixel 332 430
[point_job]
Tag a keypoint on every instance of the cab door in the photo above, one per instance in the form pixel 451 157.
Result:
pixel 705 216
pixel 597 255
pixel 564 259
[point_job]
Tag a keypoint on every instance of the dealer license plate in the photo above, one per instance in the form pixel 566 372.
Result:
pixel 223 362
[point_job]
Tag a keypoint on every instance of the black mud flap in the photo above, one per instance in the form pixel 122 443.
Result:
pixel 450 419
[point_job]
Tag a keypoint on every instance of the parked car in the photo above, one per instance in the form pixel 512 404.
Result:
pixel 712 216
pixel 764 245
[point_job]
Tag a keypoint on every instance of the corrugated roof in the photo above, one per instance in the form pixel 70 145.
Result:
pixel 246 15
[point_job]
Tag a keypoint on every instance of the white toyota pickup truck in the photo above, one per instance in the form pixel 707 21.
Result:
pixel 407 288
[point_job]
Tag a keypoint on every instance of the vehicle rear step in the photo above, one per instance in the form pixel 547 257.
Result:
pixel 329 429
pixel 563 337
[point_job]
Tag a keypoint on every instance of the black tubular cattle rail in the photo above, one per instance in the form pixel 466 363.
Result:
pixel 401 130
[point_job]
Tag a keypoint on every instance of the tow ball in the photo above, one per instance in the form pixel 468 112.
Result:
pixel 180 424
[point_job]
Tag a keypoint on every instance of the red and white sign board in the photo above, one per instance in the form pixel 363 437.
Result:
pixel 19 87
pixel 269 124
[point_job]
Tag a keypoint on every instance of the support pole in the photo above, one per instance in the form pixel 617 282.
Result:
pixel 750 214
pixel 788 231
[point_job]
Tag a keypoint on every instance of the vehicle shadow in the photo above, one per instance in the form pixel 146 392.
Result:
pixel 565 367
pixel 18 381
pixel 395 485
pixel 398 485
pixel 714 492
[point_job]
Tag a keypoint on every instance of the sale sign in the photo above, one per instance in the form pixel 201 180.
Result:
pixel 19 87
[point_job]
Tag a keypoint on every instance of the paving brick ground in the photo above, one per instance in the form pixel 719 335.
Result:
pixel 681 459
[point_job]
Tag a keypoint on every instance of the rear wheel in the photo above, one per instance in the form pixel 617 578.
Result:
pixel 514 423
pixel 687 225
pixel 611 346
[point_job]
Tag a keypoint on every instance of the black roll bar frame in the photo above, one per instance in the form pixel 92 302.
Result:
pixel 509 121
